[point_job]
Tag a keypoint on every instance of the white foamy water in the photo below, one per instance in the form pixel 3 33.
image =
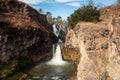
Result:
pixel 56 68
pixel 57 58
pixel 60 41
pixel 56 32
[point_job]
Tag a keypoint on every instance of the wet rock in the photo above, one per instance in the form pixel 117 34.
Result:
pixel 63 28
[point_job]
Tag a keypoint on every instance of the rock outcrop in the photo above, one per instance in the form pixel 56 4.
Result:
pixel 23 31
pixel 98 45
pixel 63 28
pixel 23 35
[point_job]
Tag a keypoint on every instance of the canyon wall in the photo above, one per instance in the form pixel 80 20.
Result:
pixel 23 31
pixel 98 45
pixel 24 37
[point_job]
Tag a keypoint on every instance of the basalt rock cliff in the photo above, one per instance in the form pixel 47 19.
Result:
pixel 98 46
pixel 23 31
pixel 23 35
pixel 63 28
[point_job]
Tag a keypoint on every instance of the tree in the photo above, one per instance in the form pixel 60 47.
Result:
pixel 54 19
pixel 59 18
pixel 49 16
pixel 41 11
pixel 88 13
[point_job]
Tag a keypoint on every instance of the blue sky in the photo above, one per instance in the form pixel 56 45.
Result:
pixel 63 8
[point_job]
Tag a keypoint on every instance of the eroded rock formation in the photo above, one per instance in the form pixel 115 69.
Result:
pixel 23 36
pixel 98 45
pixel 63 28
pixel 23 31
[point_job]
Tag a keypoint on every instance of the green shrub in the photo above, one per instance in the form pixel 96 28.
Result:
pixel 87 13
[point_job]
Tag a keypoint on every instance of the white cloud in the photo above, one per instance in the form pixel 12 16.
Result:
pixel 32 1
pixel 75 4
pixel 64 1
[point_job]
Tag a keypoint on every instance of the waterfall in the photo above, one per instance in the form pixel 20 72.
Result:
pixel 56 32
pixel 57 56
pixel 54 69
pixel 53 51
pixel 60 41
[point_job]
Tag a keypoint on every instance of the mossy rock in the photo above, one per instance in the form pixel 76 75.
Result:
pixel 7 70
pixel 11 70
pixel 18 76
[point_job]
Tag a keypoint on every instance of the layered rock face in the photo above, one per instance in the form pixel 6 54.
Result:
pixel 98 45
pixel 63 28
pixel 23 32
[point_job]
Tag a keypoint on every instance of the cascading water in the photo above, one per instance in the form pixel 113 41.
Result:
pixel 56 32
pixel 57 56
pixel 59 41
pixel 56 68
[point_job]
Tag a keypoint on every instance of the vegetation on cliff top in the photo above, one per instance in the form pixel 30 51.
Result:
pixel 118 1
pixel 50 18
pixel 89 13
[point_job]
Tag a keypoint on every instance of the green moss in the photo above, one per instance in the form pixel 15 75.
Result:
pixel 17 76
pixel 7 70
pixel 13 69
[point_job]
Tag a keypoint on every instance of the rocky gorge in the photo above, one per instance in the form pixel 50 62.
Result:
pixel 96 46
pixel 26 38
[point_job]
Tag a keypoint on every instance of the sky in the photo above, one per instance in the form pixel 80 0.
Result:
pixel 63 8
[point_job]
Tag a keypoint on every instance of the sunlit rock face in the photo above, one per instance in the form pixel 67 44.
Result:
pixel 70 54
pixel 98 45
pixel 23 32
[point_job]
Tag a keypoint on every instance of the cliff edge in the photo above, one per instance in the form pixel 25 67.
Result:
pixel 98 45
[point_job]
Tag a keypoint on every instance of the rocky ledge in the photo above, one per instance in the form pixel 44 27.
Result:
pixel 24 37
pixel 98 45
